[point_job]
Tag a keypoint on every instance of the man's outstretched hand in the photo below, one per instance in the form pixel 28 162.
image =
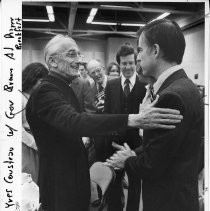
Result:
pixel 150 117
pixel 117 160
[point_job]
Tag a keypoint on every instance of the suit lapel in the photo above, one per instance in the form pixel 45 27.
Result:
pixel 75 85
pixel 173 77
pixel 117 94
pixel 135 85
pixel 66 89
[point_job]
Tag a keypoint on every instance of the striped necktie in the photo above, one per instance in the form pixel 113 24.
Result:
pixel 152 94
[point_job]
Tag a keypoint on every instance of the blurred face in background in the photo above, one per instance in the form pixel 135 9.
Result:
pixel 96 71
pixel 114 71
pixel 83 72
pixel 127 65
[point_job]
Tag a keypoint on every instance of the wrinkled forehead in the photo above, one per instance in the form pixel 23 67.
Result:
pixel 67 45
pixel 63 45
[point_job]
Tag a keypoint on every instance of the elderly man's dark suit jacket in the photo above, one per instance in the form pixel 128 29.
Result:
pixel 169 162
pixel 54 116
pixel 83 93
pixel 116 102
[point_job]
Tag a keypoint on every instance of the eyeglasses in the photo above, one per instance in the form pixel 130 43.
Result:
pixel 72 54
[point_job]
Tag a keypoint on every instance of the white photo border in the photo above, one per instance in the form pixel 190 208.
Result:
pixel 11 101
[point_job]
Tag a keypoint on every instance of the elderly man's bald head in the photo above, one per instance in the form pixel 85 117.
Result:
pixel 93 63
pixel 58 44
pixel 96 70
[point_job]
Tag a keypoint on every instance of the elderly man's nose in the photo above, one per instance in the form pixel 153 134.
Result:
pixel 97 73
pixel 78 59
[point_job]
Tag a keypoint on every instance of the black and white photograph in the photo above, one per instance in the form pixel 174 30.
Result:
pixel 105 106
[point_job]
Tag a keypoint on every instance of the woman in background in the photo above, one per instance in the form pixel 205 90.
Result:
pixel 113 70
pixel 31 78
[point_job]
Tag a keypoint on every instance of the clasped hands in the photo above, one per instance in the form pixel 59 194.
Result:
pixel 117 160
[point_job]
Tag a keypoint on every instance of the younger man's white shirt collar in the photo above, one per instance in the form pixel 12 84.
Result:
pixel 164 76
pixel 132 80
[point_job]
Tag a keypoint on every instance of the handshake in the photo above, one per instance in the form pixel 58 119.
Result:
pixel 117 160
pixel 149 117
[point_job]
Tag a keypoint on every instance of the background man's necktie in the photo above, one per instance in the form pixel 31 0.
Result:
pixel 100 88
pixel 100 96
pixel 127 87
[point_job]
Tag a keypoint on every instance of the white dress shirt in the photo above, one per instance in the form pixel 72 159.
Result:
pixel 132 80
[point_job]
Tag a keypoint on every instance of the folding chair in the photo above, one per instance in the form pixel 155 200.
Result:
pixel 101 177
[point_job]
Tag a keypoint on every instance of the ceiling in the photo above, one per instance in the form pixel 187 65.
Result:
pixel 71 17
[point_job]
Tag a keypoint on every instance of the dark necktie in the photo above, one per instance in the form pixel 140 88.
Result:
pixel 100 88
pixel 152 94
pixel 127 87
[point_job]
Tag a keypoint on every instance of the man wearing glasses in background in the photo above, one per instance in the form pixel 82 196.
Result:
pixel 97 72
pixel 57 124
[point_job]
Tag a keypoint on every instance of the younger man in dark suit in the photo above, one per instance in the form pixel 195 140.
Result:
pixel 168 164
pixel 123 95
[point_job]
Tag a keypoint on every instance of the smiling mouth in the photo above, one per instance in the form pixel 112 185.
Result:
pixel 75 65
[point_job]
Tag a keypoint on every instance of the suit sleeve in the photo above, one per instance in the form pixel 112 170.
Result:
pixel 107 102
pixel 52 108
pixel 160 145
pixel 89 104
pixel 139 150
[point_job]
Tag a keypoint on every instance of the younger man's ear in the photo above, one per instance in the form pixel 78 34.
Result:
pixel 52 62
pixel 156 49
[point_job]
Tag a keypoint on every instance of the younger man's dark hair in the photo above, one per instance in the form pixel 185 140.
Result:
pixel 125 50
pixel 168 35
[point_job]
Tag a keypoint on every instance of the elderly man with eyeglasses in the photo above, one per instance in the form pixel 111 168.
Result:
pixel 97 72
pixel 57 123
